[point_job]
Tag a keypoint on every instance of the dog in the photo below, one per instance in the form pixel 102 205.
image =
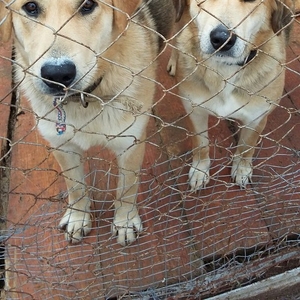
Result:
pixel 88 69
pixel 229 62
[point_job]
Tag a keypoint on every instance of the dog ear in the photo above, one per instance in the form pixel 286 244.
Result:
pixel 5 23
pixel 179 8
pixel 282 15
pixel 124 8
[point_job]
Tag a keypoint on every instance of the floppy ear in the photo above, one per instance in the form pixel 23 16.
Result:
pixel 5 23
pixel 282 14
pixel 124 8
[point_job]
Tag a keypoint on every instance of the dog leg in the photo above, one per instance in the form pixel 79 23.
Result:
pixel 77 220
pixel 199 171
pixel 127 221
pixel 242 169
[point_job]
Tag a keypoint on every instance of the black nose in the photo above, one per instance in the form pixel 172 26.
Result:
pixel 222 39
pixel 58 75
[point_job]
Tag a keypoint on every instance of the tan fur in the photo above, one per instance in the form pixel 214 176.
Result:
pixel 223 85
pixel 113 56
pixel 5 23
pixel 125 10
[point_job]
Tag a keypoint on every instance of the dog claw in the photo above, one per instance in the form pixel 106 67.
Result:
pixel 127 230
pixel 199 176
pixel 76 225
pixel 241 172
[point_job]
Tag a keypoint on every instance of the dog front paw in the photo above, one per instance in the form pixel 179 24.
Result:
pixel 199 175
pixel 76 224
pixel 126 227
pixel 241 171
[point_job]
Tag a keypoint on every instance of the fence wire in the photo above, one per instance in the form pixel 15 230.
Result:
pixel 194 244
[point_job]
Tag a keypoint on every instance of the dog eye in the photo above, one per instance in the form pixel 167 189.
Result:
pixel 31 8
pixel 87 7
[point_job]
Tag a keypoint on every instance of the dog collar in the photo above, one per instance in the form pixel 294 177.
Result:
pixel 83 97
pixel 251 55
pixel 60 124
pixel 89 90
pixel 130 104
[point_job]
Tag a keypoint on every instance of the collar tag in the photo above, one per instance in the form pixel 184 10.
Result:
pixel 60 124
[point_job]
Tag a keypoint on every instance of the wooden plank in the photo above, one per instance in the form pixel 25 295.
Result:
pixel 5 135
pixel 265 289
pixel 5 89
pixel 235 275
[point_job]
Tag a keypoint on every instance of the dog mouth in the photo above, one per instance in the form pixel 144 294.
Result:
pixel 68 93
pixel 92 87
pixel 248 59
pixel 231 61
pixel 71 91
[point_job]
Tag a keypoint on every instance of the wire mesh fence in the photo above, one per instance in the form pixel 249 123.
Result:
pixel 192 244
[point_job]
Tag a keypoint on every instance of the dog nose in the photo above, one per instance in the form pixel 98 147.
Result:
pixel 58 75
pixel 222 39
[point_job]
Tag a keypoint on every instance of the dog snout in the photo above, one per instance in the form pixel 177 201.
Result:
pixel 222 39
pixel 57 76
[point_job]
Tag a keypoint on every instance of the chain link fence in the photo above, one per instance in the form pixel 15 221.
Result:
pixel 194 244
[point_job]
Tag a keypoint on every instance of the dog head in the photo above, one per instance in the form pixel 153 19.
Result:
pixel 228 29
pixel 59 45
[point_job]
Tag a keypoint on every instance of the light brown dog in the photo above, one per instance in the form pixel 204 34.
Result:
pixel 230 64
pixel 87 67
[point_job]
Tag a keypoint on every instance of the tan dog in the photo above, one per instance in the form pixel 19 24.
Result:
pixel 88 72
pixel 230 64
